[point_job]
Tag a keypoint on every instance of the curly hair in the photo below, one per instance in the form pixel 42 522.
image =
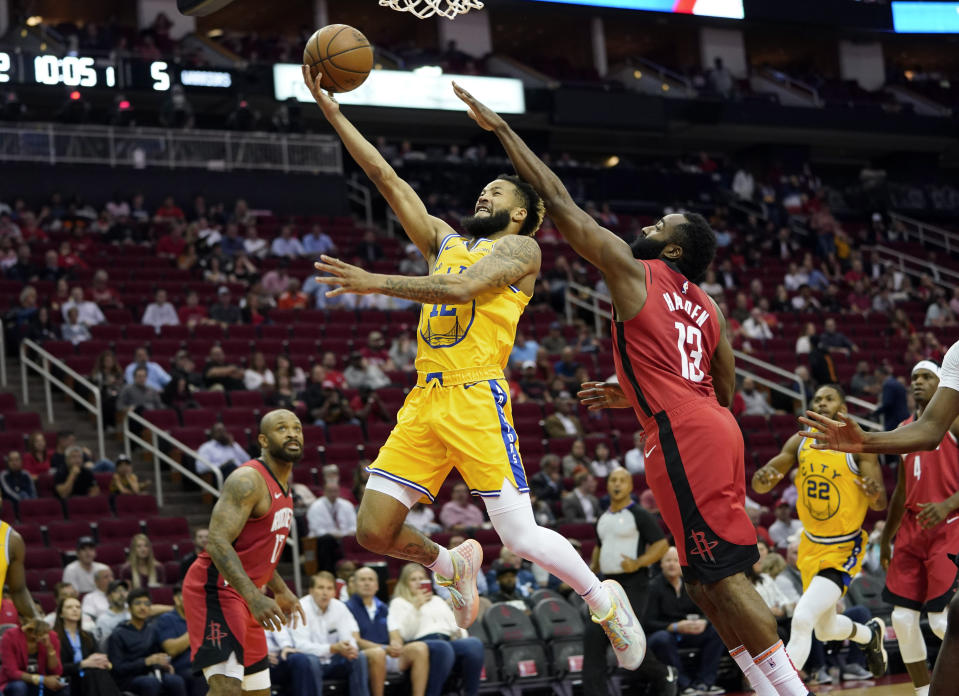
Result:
pixel 699 246
pixel 535 208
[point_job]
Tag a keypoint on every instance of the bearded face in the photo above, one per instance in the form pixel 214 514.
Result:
pixel 647 249
pixel 485 224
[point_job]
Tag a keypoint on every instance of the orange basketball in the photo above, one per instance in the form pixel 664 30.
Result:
pixel 342 54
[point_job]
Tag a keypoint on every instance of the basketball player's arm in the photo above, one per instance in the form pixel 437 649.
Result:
pixel 602 248
pixel 17 581
pixel 921 435
pixel 870 481
pixel 241 491
pixel 513 258
pixel 766 477
pixel 424 230
pixel 722 366
pixel 897 506
pixel 287 599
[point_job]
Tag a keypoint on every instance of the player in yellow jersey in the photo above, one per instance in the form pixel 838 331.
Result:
pixel 835 490
pixel 459 413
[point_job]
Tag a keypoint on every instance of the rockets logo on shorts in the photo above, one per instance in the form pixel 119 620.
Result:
pixel 216 634
pixel 703 548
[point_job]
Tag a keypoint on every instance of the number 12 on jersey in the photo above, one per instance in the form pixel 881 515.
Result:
pixel 689 359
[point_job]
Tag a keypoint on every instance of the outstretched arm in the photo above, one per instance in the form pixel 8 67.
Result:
pixel 513 258
pixel 766 477
pixel 603 249
pixel 424 230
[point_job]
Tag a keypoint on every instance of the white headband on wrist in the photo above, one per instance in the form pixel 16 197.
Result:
pixel 926 365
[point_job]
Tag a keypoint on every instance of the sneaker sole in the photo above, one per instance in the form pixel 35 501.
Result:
pixel 464 621
pixel 623 602
pixel 882 649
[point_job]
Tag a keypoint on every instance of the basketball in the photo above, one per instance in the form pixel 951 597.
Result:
pixel 342 54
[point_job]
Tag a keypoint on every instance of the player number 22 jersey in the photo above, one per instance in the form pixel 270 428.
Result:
pixel 831 504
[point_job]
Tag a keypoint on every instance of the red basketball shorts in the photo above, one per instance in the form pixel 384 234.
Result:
pixel 922 572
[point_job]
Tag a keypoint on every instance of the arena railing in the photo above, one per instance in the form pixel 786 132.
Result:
pixel 53 143
pixel 926 234
pixel 3 356
pixel 363 197
pixel 917 267
pixel 587 298
pixel 49 367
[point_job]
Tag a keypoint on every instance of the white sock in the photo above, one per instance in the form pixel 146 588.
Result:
pixel 757 680
pixel 817 601
pixel 922 690
pixel 443 565
pixel 598 599
pixel 776 666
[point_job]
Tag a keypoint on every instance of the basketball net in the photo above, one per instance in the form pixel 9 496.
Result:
pixel 427 8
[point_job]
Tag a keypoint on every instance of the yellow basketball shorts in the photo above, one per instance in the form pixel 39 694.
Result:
pixel 469 426
pixel 843 553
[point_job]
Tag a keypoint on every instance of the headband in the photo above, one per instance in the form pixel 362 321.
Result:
pixel 926 365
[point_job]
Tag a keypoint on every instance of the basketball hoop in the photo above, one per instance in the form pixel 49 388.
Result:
pixel 427 8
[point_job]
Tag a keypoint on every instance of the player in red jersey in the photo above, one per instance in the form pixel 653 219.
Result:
pixel 224 596
pixel 922 518
pixel 676 369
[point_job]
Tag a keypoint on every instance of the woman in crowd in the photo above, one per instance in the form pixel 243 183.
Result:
pixel 36 460
pixel 767 588
pixel 86 670
pixel 418 614
pixel 108 376
pixel 124 481
pixel 258 375
pixel 142 568
pixel 285 366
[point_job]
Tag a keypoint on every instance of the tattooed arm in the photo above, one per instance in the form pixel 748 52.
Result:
pixel 241 492
pixel 286 598
pixel 513 258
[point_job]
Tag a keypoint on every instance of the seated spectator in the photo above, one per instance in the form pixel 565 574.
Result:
pixel 61 591
pixel 86 670
pixel 87 312
pixel 564 422
pixel 220 374
pixel 756 327
pixel 287 245
pixel 169 211
pixel 368 250
pixel 258 375
pixel 603 465
pixel 547 483
pixel 330 633
pixel 635 460
pixel 292 671
pixel 864 382
pixel 576 458
pixel 421 517
pixel 253 245
pixel 139 395
pixel 72 330
pixel 581 505
pixel 293 297
pixel 766 586
pixel 96 603
pixel 507 591
pixel 330 518
pixel 371 616
pixel 37 459
pixel 795 277
pixel 223 311
pixel 160 312
pixel 416 614
pixel 329 363
pixel 669 621
pixel 755 401
pixel 939 313
pixel 532 388
pixel 124 481
pixel 361 372
pixel 81 573
pixel 413 264
pixel 75 479
pixel 172 244
pixel 567 365
pixel 459 514
pixel 142 568
pixel 29 661
pixel 139 663
pixel 116 613
pixel 175 641
pixel 833 341
pixel 157 377
pixel 108 376
pixel 554 341
pixel 525 349
pixel 318 242
pixel 368 407
pixel 805 301
pixel 102 293
pixel 785 525
pixel 15 483
pixel 403 352
pixel 220 451
pixel 376 353
pixel 335 408
pixel 193 313
pixel 200 535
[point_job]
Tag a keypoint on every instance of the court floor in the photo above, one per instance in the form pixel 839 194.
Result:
pixel 896 685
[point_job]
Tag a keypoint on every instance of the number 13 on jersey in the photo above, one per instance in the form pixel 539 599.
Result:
pixel 690 358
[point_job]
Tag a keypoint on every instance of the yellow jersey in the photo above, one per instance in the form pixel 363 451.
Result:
pixel 5 530
pixel 479 333
pixel 831 504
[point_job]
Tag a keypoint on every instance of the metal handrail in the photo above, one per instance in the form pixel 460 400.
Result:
pixel 153 447
pixel 792 83
pixel 592 304
pixel 44 370
pixel 918 267
pixel 926 233
pixel 665 72
pixel 3 354
pixel 361 195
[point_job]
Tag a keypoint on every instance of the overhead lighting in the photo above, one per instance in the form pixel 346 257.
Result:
pixel 611 161
pixel 665 87
pixel 34 20
pixel 74 95
pixel 638 74
pixel 214 33
pixel 428 70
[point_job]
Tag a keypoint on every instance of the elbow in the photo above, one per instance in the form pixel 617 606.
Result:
pixel 461 292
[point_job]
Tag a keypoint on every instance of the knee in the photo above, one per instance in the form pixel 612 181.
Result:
pixel 372 534
pixel 219 686
pixel 375 656
pixel 417 651
pixel 803 621
pixel 904 620
pixel 441 654
pixel 472 648
pixel 298 660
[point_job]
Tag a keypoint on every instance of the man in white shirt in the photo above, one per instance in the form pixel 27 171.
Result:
pixel 287 244
pixel 755 326
pixel 160 312
pixel 635 459
pixel 330 518
pixel 292 671
pixel 331 634
pixel 96 602
pixel 220 451
pixel 784 526
pixel 87 312
pixel 754 400
pixel 81 573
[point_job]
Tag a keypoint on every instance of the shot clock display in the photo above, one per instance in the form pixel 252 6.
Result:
pixel 102 73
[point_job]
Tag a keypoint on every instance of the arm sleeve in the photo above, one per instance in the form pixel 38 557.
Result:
pixel 949 373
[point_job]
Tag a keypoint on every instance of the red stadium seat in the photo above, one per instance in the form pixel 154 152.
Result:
pixel 138 506
pixel 247 399
pixel 40 511
pixel 41 558
pixel 210 399
pixel 117 531
pixel 64 535
pixel 22 421
pixel 88 508
pixel 167 528
pixel 113 554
